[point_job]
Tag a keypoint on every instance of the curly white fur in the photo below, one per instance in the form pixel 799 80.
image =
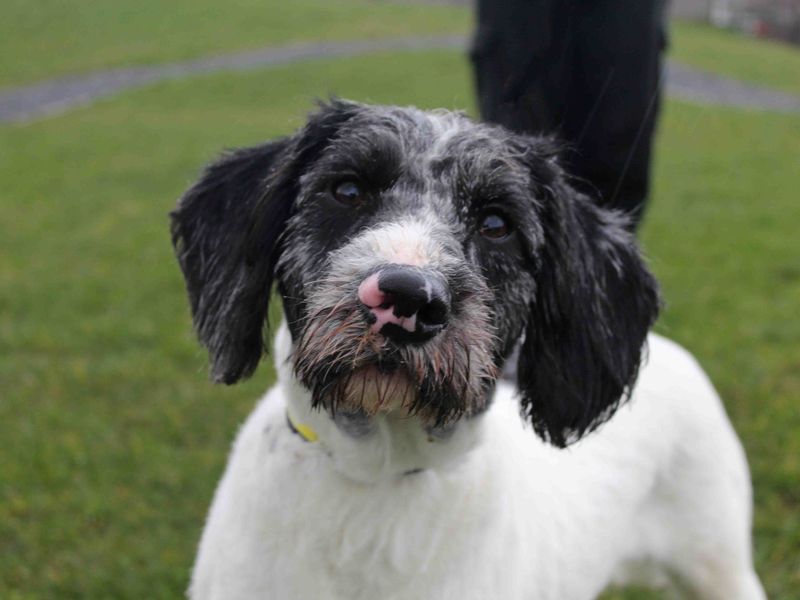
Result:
pixel 658 495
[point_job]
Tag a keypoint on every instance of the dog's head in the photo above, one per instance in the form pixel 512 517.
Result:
pixel 412 251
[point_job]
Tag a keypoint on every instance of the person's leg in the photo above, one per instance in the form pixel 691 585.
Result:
pixel 520 56
pixel 589 72
pixel 614 105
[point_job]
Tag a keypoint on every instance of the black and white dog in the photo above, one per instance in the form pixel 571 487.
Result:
pixel 412 251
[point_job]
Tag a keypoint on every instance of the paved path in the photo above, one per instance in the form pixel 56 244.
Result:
pixel 32 102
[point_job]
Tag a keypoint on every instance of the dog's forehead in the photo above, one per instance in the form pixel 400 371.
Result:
pixel 429 139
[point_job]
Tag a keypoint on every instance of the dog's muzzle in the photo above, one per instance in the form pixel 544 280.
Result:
pixel 406 304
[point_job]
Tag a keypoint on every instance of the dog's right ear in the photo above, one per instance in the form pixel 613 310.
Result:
pixel 229 298
pixel 227 231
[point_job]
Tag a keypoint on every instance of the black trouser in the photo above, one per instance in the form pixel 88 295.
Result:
pixel 587 70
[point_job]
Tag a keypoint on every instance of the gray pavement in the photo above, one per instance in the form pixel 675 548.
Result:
pixel 31 102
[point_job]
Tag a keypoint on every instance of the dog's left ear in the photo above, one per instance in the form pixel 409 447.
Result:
pixel 594 304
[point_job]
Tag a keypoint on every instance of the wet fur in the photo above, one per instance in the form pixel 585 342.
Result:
pixel 423 480
pixel 570 280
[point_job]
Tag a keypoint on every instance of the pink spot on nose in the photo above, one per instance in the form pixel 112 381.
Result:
pixel 369 293
pixel 381 305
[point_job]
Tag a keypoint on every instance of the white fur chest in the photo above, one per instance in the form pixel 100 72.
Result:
pixel 318 534
pixel 494 514
pixel 287 524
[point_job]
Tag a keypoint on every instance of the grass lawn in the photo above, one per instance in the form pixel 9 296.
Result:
pixel 40 39
pixel 46 38
pixel 767 63
pixel 113 437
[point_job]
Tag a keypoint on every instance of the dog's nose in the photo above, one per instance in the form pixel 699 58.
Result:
pixel 406 304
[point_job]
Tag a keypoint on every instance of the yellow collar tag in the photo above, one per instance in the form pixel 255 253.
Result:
pixel 304 431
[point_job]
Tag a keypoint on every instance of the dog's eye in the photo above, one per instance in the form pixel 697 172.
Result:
pixel 494 227
pixel 348 193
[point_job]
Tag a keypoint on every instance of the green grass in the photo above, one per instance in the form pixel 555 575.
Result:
pixel 113 438
pixel 723 237
pixel 48 38
pixel 767 63
pixel 40 39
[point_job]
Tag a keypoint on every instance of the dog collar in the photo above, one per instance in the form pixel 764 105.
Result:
pixel 304 431
pixel 307 434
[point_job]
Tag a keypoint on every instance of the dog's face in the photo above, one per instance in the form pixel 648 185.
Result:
pixel 412 252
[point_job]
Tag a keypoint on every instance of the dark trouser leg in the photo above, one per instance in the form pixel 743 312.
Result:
pixel 613 112
pixel 587 70
pixel 520 56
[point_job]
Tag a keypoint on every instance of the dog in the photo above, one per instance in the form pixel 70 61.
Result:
pixel 414 253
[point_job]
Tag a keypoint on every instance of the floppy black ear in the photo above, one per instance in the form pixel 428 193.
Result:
pixel 229 295
pixel 594 305
pixel 227 232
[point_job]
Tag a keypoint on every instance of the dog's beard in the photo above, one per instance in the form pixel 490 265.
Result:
pixel 348 367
